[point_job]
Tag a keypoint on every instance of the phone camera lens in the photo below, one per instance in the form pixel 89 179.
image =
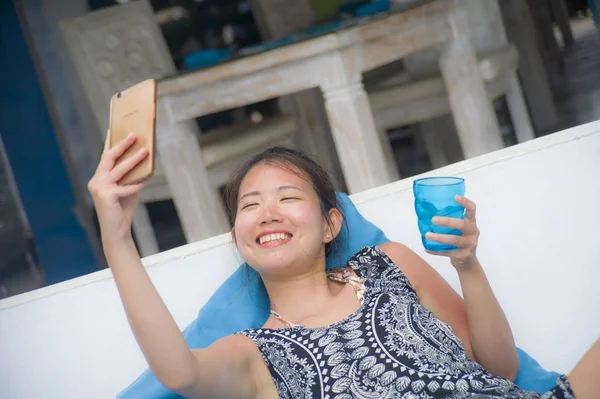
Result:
pixel 119 95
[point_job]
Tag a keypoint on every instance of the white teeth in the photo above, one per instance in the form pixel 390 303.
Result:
pixel 273 237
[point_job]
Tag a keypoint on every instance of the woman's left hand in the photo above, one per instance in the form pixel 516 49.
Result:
pixel 465 254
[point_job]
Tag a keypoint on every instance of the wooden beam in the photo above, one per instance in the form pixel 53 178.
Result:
pixel 532 73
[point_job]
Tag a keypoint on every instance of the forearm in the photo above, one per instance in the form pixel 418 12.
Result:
pixel 490 333
pixel 167 353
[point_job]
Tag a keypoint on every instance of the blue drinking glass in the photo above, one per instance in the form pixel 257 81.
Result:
pixel 434 196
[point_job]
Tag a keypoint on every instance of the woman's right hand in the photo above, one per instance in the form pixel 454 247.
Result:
pixel 115 204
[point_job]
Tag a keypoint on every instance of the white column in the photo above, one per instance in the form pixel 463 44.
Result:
pixel 518 110
pixel 363 155
pixel 473 113
pixel 198 203
pixel 144 232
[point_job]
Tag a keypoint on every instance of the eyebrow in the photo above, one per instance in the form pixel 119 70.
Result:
pixel 281 188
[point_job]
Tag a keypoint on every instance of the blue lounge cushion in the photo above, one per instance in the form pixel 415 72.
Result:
pixel 532 376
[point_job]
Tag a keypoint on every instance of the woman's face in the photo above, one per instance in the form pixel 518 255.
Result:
pixel 279 222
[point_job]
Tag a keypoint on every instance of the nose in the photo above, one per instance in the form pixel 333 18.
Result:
pixel 270 214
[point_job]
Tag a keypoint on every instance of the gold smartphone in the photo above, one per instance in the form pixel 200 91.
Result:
pixel 134 111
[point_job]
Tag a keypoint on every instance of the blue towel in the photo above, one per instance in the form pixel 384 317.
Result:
pixel 242 303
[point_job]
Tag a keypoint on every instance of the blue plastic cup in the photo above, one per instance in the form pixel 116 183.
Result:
pixel 434 196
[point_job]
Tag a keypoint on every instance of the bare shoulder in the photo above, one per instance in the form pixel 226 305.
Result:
pixel 404 257
pixel 395 249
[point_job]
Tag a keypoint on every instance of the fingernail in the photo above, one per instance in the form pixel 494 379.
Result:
pixel 435 219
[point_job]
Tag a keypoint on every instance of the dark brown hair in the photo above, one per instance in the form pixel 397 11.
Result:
pixel 296 162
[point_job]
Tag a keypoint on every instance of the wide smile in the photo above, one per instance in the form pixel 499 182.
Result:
pixel 273 239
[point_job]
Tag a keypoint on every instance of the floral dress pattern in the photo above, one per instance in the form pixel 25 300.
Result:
pixel 391 347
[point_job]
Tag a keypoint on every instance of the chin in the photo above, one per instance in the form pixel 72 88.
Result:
pixel 274 260
pixel 279 258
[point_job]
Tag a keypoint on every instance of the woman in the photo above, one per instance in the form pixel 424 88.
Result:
pixel 384 326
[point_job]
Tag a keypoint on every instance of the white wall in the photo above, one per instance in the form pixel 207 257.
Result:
pixel 538 212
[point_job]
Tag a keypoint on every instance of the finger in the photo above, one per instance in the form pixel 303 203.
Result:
pixel 127 165
pixel 448 239
pixel 453 223
pixel 126 191
pixel 468 205
pixel 119 149
pixel 109 158
pixel 467 227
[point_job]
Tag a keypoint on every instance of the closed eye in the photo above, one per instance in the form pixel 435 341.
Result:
pixel 249 205
pixel 289 198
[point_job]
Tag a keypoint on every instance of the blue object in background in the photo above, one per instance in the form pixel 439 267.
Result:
pixel 361 8
pixel 373 8
pixel 206 58
pixel 61 243
pixel 349 8
pixel 434 196
pixel 269 45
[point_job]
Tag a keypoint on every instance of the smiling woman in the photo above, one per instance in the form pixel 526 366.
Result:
pixel 276 200
pixel 308 171
pixel 383 325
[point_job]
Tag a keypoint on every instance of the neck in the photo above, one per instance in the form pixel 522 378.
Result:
pixel 297 297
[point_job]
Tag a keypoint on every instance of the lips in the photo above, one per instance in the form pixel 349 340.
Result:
pixel 271 237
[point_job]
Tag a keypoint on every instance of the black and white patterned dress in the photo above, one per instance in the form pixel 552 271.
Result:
pixel 391 347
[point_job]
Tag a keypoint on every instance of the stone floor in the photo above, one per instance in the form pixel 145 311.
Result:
pixel 576 88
